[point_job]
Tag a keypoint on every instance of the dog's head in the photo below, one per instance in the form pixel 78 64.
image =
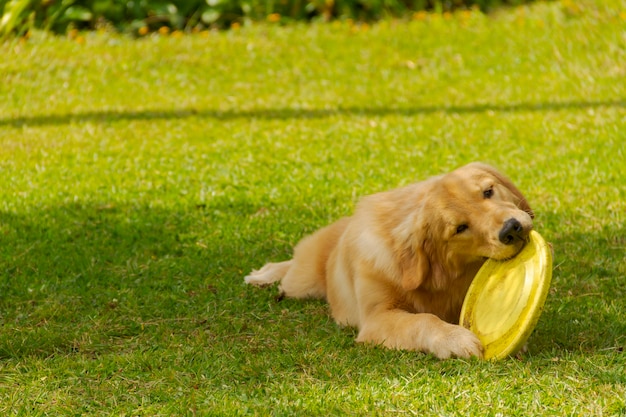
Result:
pixel 466 216
pixel 480 213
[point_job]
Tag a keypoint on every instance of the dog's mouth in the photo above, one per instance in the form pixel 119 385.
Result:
pixel 509 257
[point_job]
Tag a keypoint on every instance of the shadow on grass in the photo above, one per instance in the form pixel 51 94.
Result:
pixel 586 309
pixel 85 277
pixel 290 113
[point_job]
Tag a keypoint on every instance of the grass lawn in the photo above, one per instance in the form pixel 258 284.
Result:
pixel 142 179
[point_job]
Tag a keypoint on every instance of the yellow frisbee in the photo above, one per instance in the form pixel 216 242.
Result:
pixel 506 298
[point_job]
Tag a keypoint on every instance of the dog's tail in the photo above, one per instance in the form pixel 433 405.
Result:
pixel 268 274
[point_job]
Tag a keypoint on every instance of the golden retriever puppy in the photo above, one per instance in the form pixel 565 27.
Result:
pixel 399 268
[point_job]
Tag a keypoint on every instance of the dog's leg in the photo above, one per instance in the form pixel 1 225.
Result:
pixel 305 275
pixel 269 274
pixel 398 329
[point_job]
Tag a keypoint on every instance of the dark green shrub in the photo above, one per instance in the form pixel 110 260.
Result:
pixel 130 15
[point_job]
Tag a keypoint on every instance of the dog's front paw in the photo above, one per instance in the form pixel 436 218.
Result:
pixel 456 342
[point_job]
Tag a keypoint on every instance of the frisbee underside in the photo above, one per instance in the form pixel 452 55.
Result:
pixel 506 298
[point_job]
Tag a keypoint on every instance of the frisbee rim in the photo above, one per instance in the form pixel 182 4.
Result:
pixel 510 340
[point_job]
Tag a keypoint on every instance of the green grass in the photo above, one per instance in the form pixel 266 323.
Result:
pixel 142 179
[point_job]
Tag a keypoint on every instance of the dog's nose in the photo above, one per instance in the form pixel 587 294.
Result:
pixel 511 232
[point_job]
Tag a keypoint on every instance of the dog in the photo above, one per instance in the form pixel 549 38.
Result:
pixel 398 269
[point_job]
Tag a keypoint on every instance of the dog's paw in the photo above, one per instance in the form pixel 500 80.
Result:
pixel 268 274
pixel 456 342
pixel 258 278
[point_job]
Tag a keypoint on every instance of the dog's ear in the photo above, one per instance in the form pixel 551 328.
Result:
pixel 521 201
pixel 415 268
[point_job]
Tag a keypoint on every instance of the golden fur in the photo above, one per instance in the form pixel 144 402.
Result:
pixel 399 268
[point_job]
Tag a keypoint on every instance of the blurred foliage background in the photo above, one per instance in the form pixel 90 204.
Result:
pixel 135 16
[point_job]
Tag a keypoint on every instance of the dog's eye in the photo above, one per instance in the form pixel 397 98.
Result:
pixel 488 193
pixel 461 228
